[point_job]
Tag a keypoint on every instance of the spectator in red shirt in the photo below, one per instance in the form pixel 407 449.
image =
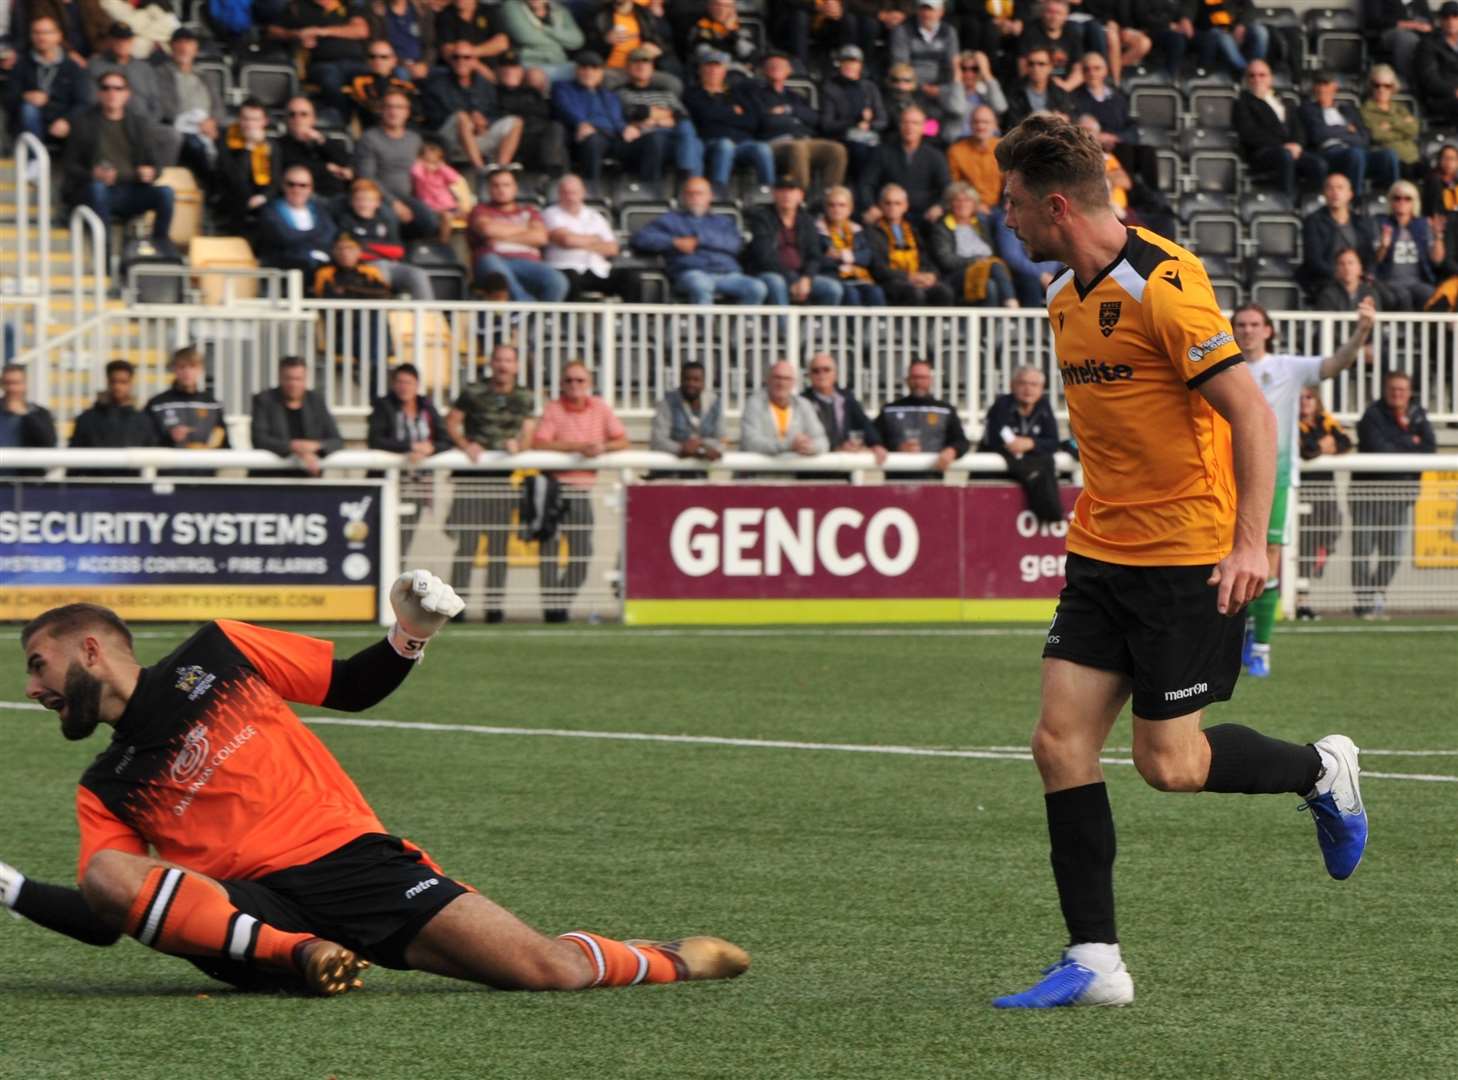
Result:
pixel 507 238
pixel 578 422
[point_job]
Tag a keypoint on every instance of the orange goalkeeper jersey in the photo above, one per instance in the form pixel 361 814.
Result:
pixel 1134 346
pixel 210 767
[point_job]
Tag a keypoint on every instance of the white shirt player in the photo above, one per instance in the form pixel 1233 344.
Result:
pixel 1281 377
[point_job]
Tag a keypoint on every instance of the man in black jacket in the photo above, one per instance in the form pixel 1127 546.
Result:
pixel 186 416
pixel 1272 137
pixel 109 165
pixel 405 421
pixel 1022 428
pixel 792 127
pixel 1435 68
pixel 1335 131
pixel 293 421
pixel 852 111
pixel 845 421
pixel 114 422
pixel 1395 425
pixel 46 87
pixel 918 423
pixel 786 253
pixel 23 423
pixel 1036 91
pixel 302 143
pixel 914 165
pixel 1331 228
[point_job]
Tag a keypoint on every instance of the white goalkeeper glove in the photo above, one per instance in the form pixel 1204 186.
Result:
pixel 423 603
pixel 11 880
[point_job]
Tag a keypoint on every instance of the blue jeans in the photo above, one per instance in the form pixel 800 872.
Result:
pixel 650 152
pixel 1351 162
pixel 824 291
pixel 124 201
pixel 700 287
pixel 526 279
pixel 1208 43
pixel 32 119
pixel 723 155
pixel 863 294
pixel 332 76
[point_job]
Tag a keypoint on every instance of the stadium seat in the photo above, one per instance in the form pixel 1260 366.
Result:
pixel 1228 292
pixel 1167 164
pixel 1274 234
pixel 1156 108
pixel 1287 53
pixel 1411 102
pixel 222 252
pixel 732 211
pixel 808 88
pixel 1266 202
pixel 1341 52
pixel 448 282
pixel 629 190
pixel 1207 202
pixel 219 79
pixel 1210 234
pixel 1320 20
pixel 342 137
pixel 1213 107
pixel 1218 171
pixel 1276 295
pixel 187 205
pixel 633 217
pixel 272 84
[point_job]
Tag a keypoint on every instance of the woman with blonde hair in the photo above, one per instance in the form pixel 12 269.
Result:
pixel 962 251
pixel 1393 127
pixel 1409 251
pixel 849 246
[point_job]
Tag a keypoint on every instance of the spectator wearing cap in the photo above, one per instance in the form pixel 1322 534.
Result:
pixel 116 54
pixel 665 132
pixel 507 238
pixel 702 250
pixel 900 260
pixel 727 124
pixel 1271 136
pixel 333 37
pixel 824 27
pixel 581 245
pixel 386 153
pixel 46 88
pixel 929 44
pixel 979 87
pixel 189 104
pixel 462 109
pixel 543 145
pixel 786 251
pixel 296 231
pixel 1334 131
pixel 973 160
pixel 914 165
pixel 791 126
pixel 110 162
pixel 1435 68
pixel 852 111
pixel 1036 91
pixel 592 116
pixel 624 27
pixel 720 30
pixel 544 33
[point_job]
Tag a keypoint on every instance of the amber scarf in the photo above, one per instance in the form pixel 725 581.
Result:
pixel 843 238
pixel 905 256
pixel 262 155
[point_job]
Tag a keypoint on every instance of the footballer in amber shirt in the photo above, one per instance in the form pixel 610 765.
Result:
pixel 1133 349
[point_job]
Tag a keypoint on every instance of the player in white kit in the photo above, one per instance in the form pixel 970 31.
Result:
pixel 1281 377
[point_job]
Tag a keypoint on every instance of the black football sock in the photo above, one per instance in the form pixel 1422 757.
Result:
pixel 63 910
pixel 1081 830
pixel 1246 762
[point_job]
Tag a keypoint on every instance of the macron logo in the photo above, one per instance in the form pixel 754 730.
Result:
pixel 418 888
pixel 1178 695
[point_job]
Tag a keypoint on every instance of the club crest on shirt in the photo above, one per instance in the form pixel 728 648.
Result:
pixel 1109 316
pixel 194 681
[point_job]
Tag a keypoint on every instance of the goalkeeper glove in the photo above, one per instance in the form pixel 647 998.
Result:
pixel 11 880
pixel 423 603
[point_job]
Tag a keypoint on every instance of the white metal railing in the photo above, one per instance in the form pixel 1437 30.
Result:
pixel 636 350
pixel 86 225
pixel 25 299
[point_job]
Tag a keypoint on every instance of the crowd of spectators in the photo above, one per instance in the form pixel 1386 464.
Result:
pixel 873 110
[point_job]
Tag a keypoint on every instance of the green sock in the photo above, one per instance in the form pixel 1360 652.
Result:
pixel 1263 612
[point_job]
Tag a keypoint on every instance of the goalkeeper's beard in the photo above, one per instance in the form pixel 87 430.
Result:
pixel 83 703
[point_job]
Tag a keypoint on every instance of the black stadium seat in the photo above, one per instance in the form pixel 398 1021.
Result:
pixel 1213 107
pixel 1274 234
pixel 1342 52
pixel 1218 171
pixel 1156 108
pixel 1210 234
pixel 634 216
pixel 272 84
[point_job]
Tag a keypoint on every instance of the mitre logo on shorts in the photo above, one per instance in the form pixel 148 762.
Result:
pixel 190 758
pixel 1109 316
pixel 194 681
pixel 419 887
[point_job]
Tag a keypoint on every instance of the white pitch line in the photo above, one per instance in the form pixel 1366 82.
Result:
pixel 983 753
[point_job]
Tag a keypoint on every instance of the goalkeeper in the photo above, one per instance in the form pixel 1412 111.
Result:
pixel 268 868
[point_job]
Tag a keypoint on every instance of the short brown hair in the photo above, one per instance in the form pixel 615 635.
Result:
pixel 73 619
pixel 188 354
pixel 1055 155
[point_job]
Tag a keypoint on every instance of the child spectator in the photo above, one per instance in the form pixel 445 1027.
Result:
pixel 440 187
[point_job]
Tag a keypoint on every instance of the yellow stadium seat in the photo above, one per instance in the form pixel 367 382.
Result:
pixel 222 252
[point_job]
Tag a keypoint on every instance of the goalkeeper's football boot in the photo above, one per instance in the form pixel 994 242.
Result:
pixel 1336 807
pixel 329 969
pixel 1070 983
pixel 1247 644
pixel 1259 664
pixel 701 957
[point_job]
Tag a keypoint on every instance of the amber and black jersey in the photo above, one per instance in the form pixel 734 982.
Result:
pixel 1134 346
pixel 211 768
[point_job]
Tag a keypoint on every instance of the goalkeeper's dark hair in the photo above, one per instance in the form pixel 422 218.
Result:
pixel 1051 155
pixel 76 619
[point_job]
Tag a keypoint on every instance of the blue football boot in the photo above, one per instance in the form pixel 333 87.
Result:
pixel 1336 807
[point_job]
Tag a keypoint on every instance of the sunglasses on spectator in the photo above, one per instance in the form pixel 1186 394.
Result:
pixel 821 370
pixel 1379 85
pixel 902 80
pixel 297 183
pixel 114 86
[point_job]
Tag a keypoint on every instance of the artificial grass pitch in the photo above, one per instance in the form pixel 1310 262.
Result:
pixel 885 897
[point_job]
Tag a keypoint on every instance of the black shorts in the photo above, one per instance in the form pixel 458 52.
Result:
pixel 1156 624
pixel 373 895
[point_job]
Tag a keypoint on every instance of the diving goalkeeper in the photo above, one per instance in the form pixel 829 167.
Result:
pixel 269 868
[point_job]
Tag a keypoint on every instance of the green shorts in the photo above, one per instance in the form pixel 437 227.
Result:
pixel 1279 530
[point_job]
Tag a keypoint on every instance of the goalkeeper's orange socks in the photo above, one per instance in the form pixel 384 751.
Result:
pixel 184 915
pixel 615 963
